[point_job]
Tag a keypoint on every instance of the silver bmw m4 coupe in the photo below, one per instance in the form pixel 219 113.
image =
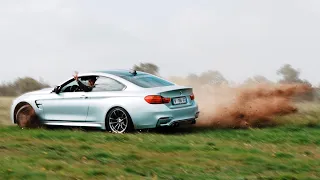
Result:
pixel 119 101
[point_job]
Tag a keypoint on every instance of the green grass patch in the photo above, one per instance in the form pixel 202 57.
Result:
pixel 288 151
pixel 271 153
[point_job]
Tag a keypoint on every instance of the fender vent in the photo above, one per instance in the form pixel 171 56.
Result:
pixel 37 104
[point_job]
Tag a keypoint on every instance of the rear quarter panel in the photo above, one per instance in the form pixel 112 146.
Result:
pixel 143 115
pixel 102 103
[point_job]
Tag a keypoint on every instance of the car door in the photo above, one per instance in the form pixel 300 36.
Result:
pixel 101 97
pixel 66 106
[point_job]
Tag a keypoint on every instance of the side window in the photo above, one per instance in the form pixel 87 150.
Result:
pixel 107 84
pixel 72 85
pixel 68 87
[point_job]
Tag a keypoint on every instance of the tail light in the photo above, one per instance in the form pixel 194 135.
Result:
pixel 192 96
pixel 156 99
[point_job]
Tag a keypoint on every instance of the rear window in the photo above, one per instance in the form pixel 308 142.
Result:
pixel 147 81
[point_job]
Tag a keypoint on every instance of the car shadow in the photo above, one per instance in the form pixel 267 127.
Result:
pixel 181 130
pixel 72 128
pixel 159 130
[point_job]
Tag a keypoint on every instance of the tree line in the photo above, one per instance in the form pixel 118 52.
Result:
pixel 20 86
pixel 287 73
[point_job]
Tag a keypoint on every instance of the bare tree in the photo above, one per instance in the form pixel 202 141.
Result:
pixel 257 79
pixel 212 77
pixel 20 86
pixel 193 77
pixel 289 74
pixel 147 67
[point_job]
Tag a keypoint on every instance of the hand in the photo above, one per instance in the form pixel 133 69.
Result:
pixel 76 76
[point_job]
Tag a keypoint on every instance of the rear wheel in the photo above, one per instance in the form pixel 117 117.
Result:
pixel 118 121
pixel 27 118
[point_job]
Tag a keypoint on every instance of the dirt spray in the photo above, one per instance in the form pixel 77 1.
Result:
pixel 246 106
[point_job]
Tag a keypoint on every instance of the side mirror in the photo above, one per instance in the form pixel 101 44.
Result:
pixel 56 89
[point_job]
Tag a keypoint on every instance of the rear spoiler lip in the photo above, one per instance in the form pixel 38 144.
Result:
pixel 159 90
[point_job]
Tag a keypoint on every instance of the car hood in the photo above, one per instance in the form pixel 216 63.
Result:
pixel 41 91
pixel 37 93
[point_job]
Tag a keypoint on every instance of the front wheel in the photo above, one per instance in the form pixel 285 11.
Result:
pixel 26 117
pixel 118 121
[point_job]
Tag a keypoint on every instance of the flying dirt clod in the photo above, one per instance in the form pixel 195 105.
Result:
pixel 246 106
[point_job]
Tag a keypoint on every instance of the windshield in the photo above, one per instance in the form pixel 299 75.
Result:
pixel 147 81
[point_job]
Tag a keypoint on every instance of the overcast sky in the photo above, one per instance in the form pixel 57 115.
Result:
pixel 240 38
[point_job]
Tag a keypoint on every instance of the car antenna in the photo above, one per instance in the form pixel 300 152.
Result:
pixel 133 71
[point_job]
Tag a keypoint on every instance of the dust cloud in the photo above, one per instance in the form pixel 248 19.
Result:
pixel 246 106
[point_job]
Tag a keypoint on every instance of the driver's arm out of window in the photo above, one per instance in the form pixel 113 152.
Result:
pixel 84 87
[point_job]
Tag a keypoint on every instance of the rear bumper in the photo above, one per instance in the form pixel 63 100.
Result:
pixel 175 123
pixel 160 115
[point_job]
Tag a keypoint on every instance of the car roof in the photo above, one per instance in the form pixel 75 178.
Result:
pixel 120 72
pixel 113 73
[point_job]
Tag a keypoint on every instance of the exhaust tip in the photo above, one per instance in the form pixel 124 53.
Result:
pixel 197 115
pixel 175 124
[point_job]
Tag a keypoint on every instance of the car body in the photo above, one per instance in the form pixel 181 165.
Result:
pixel 134 92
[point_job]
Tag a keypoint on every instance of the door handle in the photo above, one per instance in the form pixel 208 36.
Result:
pixel 83 97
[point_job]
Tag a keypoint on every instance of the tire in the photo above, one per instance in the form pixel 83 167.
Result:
pixel 27 118
pixel 118 120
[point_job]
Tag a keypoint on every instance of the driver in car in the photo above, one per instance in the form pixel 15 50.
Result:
pixel 84 87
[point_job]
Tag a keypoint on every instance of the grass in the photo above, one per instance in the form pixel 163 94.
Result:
pixel 273 153
pixel 289 151
pixel 5 103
